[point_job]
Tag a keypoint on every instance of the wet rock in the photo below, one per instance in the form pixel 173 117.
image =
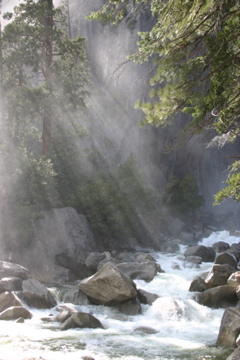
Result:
pixel 234 279
pixel 63 316
pixel 11 283
pixel 81 320
pixel 219 275
pixel 108 284
pixel 206 253
pixel 145 270
pixel 198 284
pixel 218 297
pixel 20 320
pixel 15 312
pixel 220 246
pixel 76 297
pixel 146 298
pixel 8 299
pixel 8 269
pixel 226 258
pixel 130 307
pixel 145 330
pixel 229 328
pixel 37 295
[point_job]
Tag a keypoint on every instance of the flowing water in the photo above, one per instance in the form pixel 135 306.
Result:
pixel 183 329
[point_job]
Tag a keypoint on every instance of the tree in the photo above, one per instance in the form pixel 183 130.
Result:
pixel 38 58
pixel 194 45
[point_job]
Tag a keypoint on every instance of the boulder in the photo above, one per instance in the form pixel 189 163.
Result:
pixel 81 320
pixel 37 295
pixel 235 249
pixel 218 297
pixel 130 307
pixel 93 259
pixel 146 298
pixel 15 312
pixel 198 284
pixel 8 269
pixel 145 330
pixel 235 355
pixel 8 299
pixel 76 297
pixel 219 275
pixel 234 279
pixel 229 328
pixel 144 271
pixel 220 246
pixel 205 252
pixel 11 283
pixel 227 258
pixel 63 316
pixel 107 285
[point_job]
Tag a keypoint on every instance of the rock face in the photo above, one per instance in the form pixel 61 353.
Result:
pixel 60 232
pixel 230 328
pixel 107 285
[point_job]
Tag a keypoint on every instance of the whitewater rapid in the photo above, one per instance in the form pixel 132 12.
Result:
pixel 177 326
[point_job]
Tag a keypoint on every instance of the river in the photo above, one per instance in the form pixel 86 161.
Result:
pixel 183 329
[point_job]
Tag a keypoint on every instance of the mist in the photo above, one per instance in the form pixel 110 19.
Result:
pixel 110 153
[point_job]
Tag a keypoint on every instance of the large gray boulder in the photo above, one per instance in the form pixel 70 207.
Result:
pixel 219 275
pixel 205 252
pixel 230 328
pixel 8 299
pixel 81 320
pixel 218 297
pixel 15 312
pixel 9 269
pixel 37 295
pixel 107 285
pixel 60 231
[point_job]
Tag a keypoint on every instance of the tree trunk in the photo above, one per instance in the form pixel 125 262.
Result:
pixel 47 114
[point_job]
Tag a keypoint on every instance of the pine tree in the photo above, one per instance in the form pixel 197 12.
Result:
pixel 42 68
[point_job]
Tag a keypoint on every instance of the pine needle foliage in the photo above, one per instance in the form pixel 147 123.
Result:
pixel 195 47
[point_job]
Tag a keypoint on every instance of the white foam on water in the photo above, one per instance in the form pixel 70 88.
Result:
pixel 178 326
